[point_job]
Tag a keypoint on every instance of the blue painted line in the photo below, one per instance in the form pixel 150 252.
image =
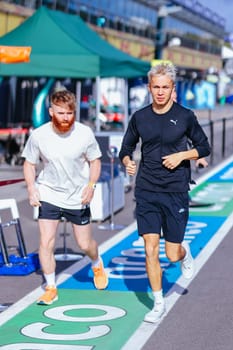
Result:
pixel 224 175
pixel 131 276
pixel 124 257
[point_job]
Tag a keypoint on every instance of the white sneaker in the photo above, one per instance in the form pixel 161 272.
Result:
pixel 187 264
pixel 155 315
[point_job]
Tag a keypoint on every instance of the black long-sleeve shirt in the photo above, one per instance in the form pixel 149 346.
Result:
pixel 161 135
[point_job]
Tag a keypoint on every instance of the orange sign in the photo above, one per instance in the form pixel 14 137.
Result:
pixel 14 54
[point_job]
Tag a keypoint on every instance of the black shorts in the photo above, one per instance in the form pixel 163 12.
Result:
pixel 75 216
pixel 164 212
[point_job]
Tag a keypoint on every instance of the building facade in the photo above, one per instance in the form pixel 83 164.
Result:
pixel 183 31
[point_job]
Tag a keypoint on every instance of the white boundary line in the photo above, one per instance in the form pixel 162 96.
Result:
pixel 145 330
pixel 63 276
pixel 213 171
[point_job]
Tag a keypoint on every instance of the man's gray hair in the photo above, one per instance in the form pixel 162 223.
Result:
pixel 163 69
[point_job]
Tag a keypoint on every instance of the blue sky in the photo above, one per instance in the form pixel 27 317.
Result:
pixel 223 8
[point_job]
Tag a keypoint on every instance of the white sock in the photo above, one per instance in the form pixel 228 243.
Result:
pixel 96 262
pixel 50 279
pixel 158 297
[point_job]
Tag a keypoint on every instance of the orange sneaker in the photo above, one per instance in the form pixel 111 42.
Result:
pixel 100 276
pixel 49 296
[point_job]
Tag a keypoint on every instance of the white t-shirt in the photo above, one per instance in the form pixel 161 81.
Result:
pixel 65 160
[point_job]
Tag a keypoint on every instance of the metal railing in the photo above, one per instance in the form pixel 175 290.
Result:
pixel 220 134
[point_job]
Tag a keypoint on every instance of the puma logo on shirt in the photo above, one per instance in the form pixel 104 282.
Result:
pixel 173 121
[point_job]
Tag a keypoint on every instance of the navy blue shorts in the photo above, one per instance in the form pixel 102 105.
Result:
pixel 164 212
pixel 76 216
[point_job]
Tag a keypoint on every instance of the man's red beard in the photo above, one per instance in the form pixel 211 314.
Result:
pixel 62 126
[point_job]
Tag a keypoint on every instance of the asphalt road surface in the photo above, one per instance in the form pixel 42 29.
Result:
pixel 201 319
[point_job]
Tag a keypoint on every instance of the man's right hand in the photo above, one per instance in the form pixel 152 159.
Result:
pixel 131 167
pixel 34 198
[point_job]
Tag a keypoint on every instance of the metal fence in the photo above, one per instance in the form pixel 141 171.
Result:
pixel 220 134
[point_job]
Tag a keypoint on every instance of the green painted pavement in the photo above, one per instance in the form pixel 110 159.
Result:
pixel 87 318
pixel 218 193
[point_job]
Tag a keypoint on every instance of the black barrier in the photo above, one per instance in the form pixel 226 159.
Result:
pixel 219 132
pixel 112 155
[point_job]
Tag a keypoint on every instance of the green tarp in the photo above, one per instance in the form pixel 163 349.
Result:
pixel 64 46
